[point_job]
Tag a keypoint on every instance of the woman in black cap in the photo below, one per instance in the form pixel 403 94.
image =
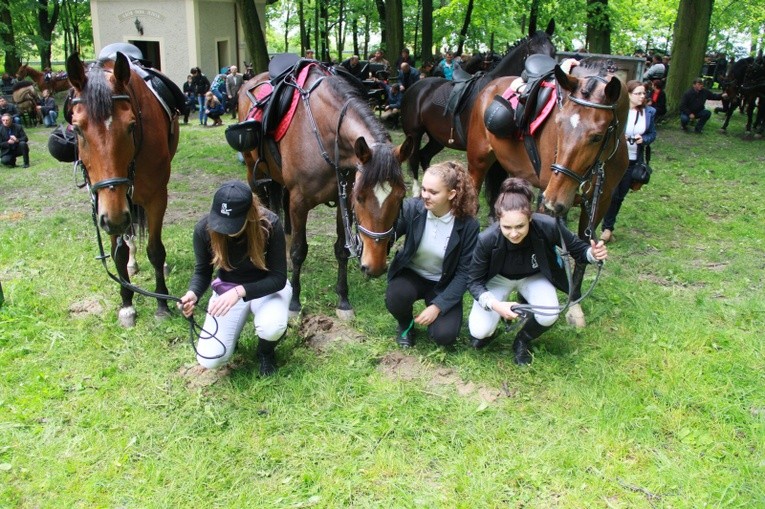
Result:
pixel 245 243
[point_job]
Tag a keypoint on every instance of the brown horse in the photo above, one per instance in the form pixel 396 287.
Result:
pixel 26 100
pixel 581 148
pixel 334 146
pixel 126 142
pixel 423 107
pixel 56 83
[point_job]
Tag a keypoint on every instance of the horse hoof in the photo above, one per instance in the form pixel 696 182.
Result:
pixel 162 314
pixel 166 269
pixel 293 314
pixel 132 269
pixel 345 315
pixel 575 316
pixel 126 317
pixel 723 131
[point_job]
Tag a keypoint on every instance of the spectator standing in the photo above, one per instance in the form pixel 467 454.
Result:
pixel 47 109
pixel 404 58
pixel 657 70
pixel 693 105
pixel 201 87
pixel 446 66
pixel 234 82
pixel 13 142
pixel 191 98
pixel 379 58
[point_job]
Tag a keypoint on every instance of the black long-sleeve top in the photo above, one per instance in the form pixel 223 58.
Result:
pixel 256 282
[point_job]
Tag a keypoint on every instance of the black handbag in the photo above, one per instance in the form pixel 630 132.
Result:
pixel 640 171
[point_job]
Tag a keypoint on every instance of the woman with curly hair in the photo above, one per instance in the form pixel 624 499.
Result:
pixel 441 232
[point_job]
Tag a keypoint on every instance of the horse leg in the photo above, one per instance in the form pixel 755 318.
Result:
pixel 429 151
pixel 132 264
pixel 414 164
pixel 120 253
pixel 155 250
pixel 298 251
pixel 728 114
pixel 344 311
pixel 575 314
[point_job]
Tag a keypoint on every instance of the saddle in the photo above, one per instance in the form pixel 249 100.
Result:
pixel 463 89
pixel 170 97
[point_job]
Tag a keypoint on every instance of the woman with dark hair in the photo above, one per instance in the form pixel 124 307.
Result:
pixel 245 243
pixel 201 87
pixel 518 252
pixel 441 231
pixel 640 133
pixel 214 109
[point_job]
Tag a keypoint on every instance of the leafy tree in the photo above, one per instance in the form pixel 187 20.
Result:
pixel 8 38
pixel 598 27
pixel 254 37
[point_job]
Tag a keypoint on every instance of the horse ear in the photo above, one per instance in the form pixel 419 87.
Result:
pixel 565 80
pixel 122 68
pixel 550 27
pixel 404 150
pixel 613 90
pixel 362 150
pixel 75 71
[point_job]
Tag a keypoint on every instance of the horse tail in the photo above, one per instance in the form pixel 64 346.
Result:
pixel 138 213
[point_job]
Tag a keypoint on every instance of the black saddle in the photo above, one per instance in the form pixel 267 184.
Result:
pixel 463 90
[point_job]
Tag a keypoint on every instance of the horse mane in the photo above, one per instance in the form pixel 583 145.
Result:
pixel 384 166
pixel 97 94
pixel 540 36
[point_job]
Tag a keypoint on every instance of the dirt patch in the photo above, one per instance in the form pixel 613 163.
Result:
pixel 85 308
pixel 399 366
pixel 320 332
pixel 197 377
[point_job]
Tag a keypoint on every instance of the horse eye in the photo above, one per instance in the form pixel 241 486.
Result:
pixel 597 138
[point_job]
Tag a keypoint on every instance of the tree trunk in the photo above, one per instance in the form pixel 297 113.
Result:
pixel 380 4
pixel 322 52
pixel 533 17
pixel 304 40
pixel 46 22
pixel 427 31
pixel 465 25
pixel 394 24
pixel 598 27
pixel 690 41
pixel 8 38
pixel 416 30
pixel 254 37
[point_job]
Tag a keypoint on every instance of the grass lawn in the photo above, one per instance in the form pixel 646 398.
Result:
pixel 658 402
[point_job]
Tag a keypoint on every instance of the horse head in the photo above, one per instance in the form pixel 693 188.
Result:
pixel 590 124
pixel 105 125
pixel 22 72
pixel 378 193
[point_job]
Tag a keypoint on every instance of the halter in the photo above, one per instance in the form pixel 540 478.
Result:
pixel 598 167
pixel 352 242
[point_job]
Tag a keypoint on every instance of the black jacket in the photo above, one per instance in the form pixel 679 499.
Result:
pixel 459 251
pixel 693 101
pixel 5 135
pixel 491 250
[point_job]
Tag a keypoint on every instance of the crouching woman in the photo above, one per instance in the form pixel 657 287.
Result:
pixel 245 243
pixel 441 231
pixel 517 253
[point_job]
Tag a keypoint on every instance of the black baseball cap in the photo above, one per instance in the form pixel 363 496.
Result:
pixel 230 206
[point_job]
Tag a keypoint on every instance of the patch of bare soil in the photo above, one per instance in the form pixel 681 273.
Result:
pixel 400 366
pixel 199 377
pixel 320 332
pixel 85 308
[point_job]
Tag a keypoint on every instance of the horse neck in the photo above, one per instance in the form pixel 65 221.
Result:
pixel 512 63
pixel 34 73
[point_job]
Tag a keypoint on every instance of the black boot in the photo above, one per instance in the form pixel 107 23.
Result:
pixel 266 352
pixel 522 345
pixel 405 335
pixel 481 343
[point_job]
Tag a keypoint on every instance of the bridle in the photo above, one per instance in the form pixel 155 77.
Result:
pixel 353 242
pixel 598 166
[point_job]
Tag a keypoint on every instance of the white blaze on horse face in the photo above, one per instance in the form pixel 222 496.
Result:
pixel 382 191
pixel 574 119
pixel 108 123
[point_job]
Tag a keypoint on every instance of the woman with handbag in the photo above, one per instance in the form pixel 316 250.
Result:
pixel 640 132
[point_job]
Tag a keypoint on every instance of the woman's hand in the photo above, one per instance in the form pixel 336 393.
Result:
pixel 599 250
pixel 225 302
pixel 187 304
pixel 428 315
pixel 505 309
pixel 638 138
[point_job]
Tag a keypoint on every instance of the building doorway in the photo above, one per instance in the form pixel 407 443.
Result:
pixel 223 55
pixel 151 53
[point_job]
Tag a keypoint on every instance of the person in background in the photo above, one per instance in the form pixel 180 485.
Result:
pixel 693 105
pixel 10 109
pixel 47 109
pixel 214 108
pixel 379 58
pixel 309 54
pixel 245 243
pixel 441 230
pixel 191 98
pixel 218 86
pixel 404 57
pixel 201 87
pixel 407 76
pixel 446 66
pixel 234 82
pixel 640 133
pixel 13 142
pixel 657 71
pixel 519 252
pixel 658 100
pixel 354 67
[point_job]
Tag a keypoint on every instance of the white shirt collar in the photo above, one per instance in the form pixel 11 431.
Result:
pixel 446 218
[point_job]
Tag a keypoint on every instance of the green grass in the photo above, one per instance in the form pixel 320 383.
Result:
pixel 659 402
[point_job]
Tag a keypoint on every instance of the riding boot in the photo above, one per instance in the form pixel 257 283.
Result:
pixel 266 353
pixel 530 330
pixel 478 344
